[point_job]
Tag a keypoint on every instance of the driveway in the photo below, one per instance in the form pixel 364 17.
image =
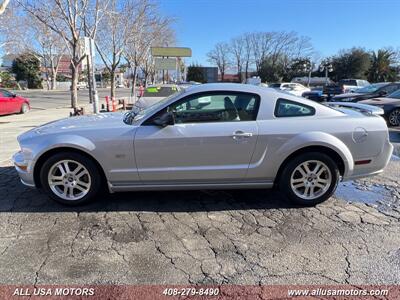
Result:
pixel 237 237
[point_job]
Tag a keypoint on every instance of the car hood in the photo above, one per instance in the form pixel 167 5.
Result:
pixel 381 101
pixel 82 122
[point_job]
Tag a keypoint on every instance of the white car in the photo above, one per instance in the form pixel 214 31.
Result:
pixel 81 85
pixel 296 89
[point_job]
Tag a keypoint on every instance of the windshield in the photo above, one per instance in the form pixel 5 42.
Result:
pixel 138 112
pixel 371 88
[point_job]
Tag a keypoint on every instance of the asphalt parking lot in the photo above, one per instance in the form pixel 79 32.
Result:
pixel 242 237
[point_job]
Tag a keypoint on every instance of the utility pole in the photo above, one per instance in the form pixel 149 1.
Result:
pixel 92 82
pixel 89 79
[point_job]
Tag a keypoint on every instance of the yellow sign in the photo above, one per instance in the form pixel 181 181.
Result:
pixel 171 51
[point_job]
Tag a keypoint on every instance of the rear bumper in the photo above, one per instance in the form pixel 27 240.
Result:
pixel 376 166
pixel 23 169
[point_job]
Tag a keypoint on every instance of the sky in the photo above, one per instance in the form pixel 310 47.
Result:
pixel 332 25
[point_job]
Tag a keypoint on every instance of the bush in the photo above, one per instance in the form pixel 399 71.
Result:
pixel 7 81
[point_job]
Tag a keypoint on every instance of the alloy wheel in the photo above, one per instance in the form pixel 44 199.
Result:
pixel 311 179
pixel 69 180
pixel 394 117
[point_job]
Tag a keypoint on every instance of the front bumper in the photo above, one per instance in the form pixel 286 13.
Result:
pixel 24 169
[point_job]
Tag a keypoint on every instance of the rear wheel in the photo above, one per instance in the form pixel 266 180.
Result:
pixel 394 117
pixel 309 179
pixel 70 178
pixel 24 108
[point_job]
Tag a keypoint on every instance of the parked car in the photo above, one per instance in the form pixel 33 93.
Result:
pixel 381 89
pixel 210 136
pixel 154 93
pixel 390 105
pixel 344 86
pixel 315 95
pixel 11 103
pixel 296 89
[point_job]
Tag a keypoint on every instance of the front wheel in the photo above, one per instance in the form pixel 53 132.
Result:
pixel 394 117
pixel 70 178
pixel 24 108
pixel 309 179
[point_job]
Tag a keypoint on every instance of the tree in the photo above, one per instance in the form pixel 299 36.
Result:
pixel 195 73
pixel 3 6
pixel 27 67
pixel 70 19
pixel 50 49
pixel 383 66
pixel 247 54
pixel 298 67
pixel 237 49
pixel 113 33
pixel 219 56
pixel 147 29
pixel 7 81
pixel 351 63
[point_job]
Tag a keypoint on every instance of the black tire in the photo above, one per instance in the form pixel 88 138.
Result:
pixel 95 177
pixel 394 117
pixel 285 186
pixel 24 108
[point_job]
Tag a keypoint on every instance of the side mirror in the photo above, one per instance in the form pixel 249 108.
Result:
pixel 13 95
pixel 165 119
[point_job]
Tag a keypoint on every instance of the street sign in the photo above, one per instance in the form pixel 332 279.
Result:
pixel 165 63
pixel 171 51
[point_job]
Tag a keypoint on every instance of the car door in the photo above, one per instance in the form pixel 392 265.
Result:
pixel 5 105
pixel 212 140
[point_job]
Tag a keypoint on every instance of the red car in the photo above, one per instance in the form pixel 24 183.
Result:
pixel 11 103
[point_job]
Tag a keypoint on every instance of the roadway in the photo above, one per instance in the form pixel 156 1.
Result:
pixel 43 99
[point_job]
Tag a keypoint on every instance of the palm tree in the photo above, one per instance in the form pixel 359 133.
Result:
pixel 382 68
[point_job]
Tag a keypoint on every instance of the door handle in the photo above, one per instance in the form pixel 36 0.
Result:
pixel 240 134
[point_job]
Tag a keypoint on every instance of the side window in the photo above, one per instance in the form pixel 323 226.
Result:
pixel 390 88
pixel 216 107
pixel 4 93
pixel 288 108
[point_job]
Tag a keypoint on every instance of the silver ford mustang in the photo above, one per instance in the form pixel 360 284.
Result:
pixel 211 136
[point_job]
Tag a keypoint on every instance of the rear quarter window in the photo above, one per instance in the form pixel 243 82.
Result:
pixel 289 108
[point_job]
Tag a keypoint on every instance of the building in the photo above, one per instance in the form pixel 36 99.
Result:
pixel 229 78
pixel 210 74
pixel 7 60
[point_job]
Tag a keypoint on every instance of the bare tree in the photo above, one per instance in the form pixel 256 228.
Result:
pixel 247 50
pixel 237 49
pixel 3 6
pixel 148 29
pixel 51 49
pixel 68 18
pixel 261 44
pixel 11 32
pixel 220 57
pixel 113 34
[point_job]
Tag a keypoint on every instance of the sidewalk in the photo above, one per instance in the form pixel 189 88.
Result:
pixel 13 125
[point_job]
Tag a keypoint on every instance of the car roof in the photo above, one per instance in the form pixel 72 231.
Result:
pixel 236 87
